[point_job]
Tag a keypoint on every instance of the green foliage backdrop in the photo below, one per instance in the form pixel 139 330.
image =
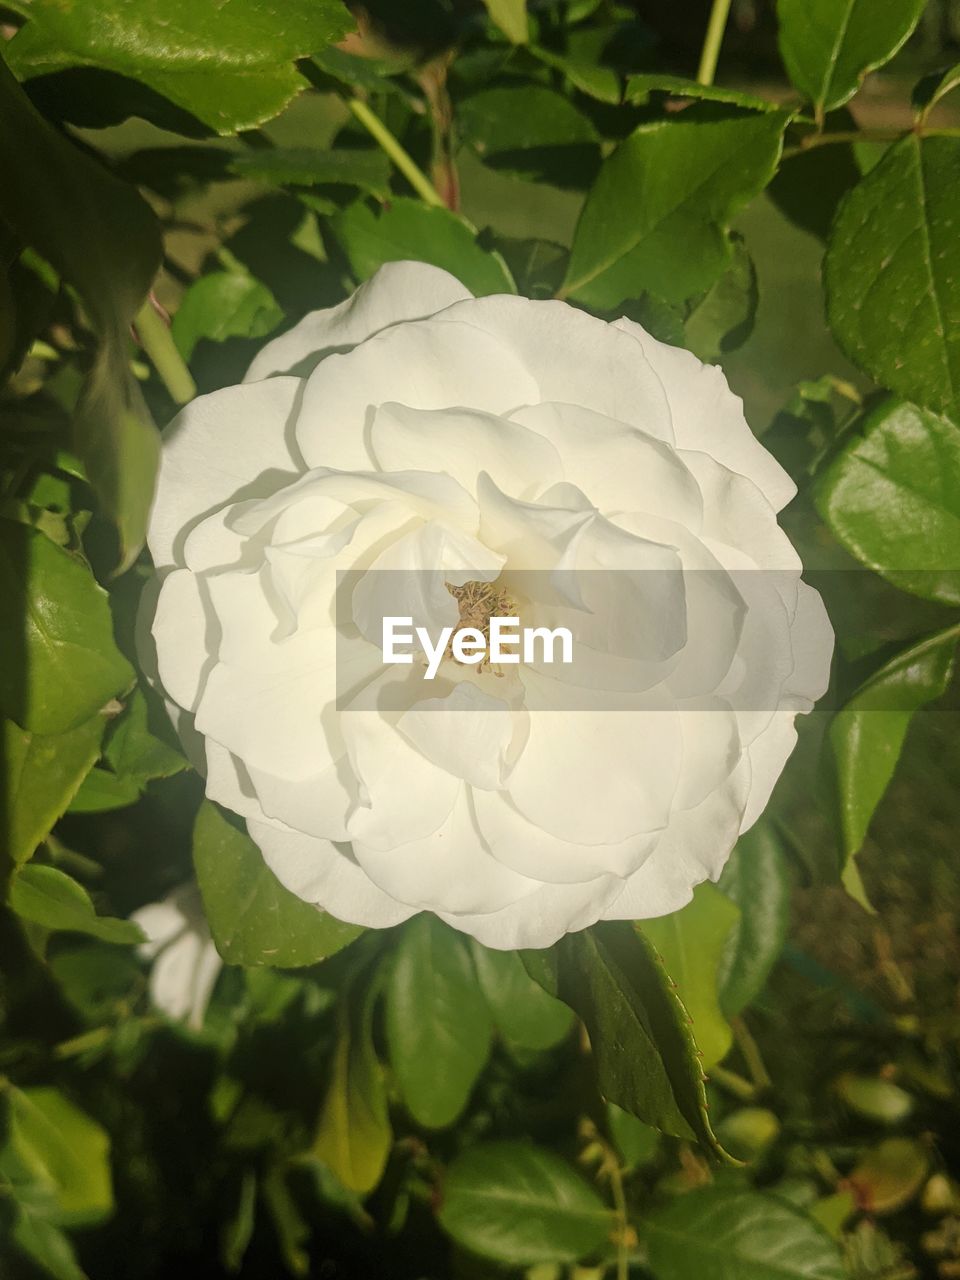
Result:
pixel 762 1086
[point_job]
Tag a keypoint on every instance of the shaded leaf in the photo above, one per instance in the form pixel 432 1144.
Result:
pixel 411 230
pixel 224 304
pixel 511 17
pixel 103 239
pixel 757 879
pixel 354 1135
pixel 640 87
pixel 892 272
pixel 522 1010
pixel 892 497
pixel 310 167
pixel 230 65
pixel 691 943
pixel 867 735
pixel 738 1235
pixel 253 918
pixel 830 45
pixel 643 1049
pixel 521 1204
pixel 43 773
pixel 51 898
pixel 723 318
pixel 438 1023
pixel 61 1148
pixel 102 791
pixel 60 663
pixel 656 219
pixel 133 751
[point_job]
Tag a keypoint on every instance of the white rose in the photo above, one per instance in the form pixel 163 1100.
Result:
pixel 415 427
pixel 186 964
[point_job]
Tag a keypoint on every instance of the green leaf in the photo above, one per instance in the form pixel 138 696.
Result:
pixel 60 664
pixel 229 65
pixel 43 773
pixel 51 898
pixel 438 1023
pixel 224 304
pixel 409 229
pixel 656 219
pixel 892 272
pixel 253 918
pixel 933 88
pixel 103 239
pixel 738 1235
pixel 46 1245
pixel 134 752
pixel 867 735
pixel 691 943
pixel 595 81
pixel 522 1010
pixel 892 498
pixel 509 118
pixel 723 317
pixel 830 45
pixel 636 1142
pixel 63 1151
pixel 643 1049
pixel 640 87
pixel 308 167
pixel 757 879
pixel 511 17
pixel 520 1204
pixel 102 791
pixel 354 1136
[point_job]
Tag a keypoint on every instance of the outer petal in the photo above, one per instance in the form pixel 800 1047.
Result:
pixel 398 291
pixel 324 873
pixel 573 358
pixel 228 445
pixel 707 416
pixel 694 848
pixel 543 917
pixel 186 633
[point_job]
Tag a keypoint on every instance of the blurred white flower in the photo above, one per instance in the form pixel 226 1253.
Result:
pixel 458 444
pixel 186 963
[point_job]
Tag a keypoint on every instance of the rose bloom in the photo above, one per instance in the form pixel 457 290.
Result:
pixel 469 442
pixel 185 962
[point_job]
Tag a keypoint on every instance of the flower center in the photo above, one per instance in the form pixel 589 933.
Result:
pixel 478 603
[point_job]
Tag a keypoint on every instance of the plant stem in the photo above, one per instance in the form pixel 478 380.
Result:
pixel 401 158
pixel 712 41
pixel 751 1054
pixel 157 342
pixel 864 135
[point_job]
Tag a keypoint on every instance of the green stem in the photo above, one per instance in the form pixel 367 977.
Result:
pixel 712 41
pixel 751 1054
pixel 156 340
pixel 864 135
pixel 401 158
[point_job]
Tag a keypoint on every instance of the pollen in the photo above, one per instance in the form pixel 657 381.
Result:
pixel 478 603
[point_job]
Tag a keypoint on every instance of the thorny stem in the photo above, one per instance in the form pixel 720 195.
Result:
pixel 433 81
pixel 392 148
pixel 712 41
pixel 156 340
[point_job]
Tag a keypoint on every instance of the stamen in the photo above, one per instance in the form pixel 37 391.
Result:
pixel 479 602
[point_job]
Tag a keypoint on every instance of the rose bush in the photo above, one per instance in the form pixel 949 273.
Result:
pixel 467 440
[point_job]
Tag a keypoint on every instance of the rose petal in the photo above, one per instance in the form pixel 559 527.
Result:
pixel 221 447
pixel 398 291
